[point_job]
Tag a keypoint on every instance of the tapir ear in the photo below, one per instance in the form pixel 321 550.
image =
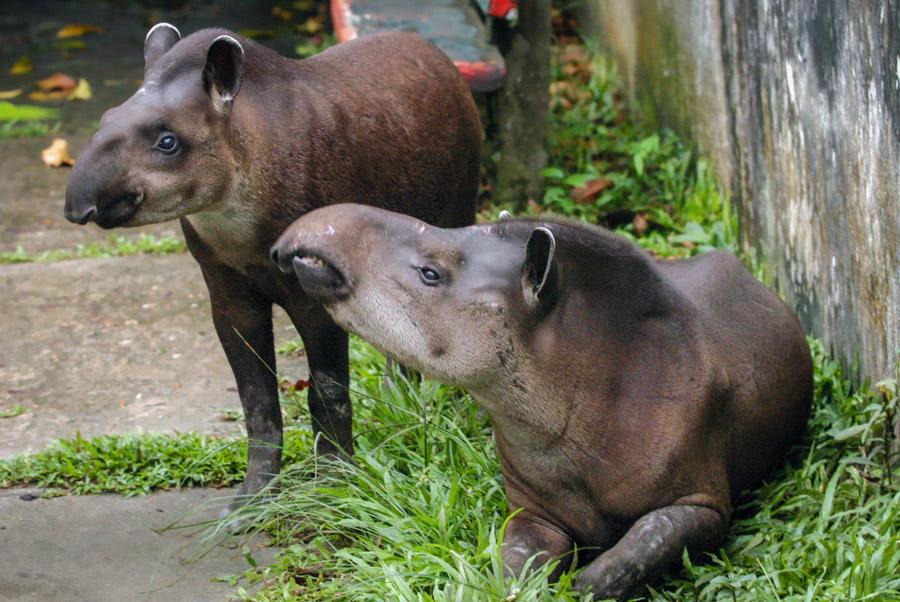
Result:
pixel 539 274
pixel 224 71
pixel 160 38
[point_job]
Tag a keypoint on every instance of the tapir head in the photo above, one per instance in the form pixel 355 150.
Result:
pixel 167 151
pixel 447 302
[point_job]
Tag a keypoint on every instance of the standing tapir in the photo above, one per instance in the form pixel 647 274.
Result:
pixel 632 398
pixel 237 142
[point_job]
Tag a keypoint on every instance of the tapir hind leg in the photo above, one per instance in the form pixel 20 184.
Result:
pixel 527 536
pixel 654 542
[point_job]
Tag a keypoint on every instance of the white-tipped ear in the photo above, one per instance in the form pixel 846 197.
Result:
pixel 539 268
pixel 505 214
pixel 224 71
pixel 157 42
pixel 539 258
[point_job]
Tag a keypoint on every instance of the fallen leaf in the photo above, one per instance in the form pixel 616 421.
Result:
pixel 22 66
pixel 81 92
pixel 584 195
pixel 301 385
pixel 13 112
pixel 57 154
pixel 57 81
pixel 640 224
pixel 283 14
pixel 45 96
pixel 69 45
pixel 311 25
pixel 76 30
pixel 257 34
pixel 7 94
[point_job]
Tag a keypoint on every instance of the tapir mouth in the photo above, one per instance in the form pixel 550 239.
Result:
pixel 118 211
pixel 318 276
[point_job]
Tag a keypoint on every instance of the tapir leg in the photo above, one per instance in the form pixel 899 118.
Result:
pixel 654 542
pixel 243 321
pixel 329 387
pixel 527 535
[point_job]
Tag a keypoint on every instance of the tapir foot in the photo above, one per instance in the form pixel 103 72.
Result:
pixel 654 542
pixel 238 514
pixel 530 542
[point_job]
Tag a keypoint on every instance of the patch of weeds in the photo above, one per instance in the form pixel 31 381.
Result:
pixel 607 168
pixel 315 44
pixel 16 410
pixel 292 348
pixel 115 246
pixel 28 129
pixel 231 415
pixel 139 463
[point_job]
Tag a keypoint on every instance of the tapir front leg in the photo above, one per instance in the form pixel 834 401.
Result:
pixel 328 397
pixel 527 535
pixel 654 542
pixel 243 321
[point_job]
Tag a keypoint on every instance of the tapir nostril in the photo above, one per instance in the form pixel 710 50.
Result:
pixel 273 253
pixel 318 277
pixel 82 218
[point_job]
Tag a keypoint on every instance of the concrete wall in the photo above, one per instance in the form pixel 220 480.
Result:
pixel 798 103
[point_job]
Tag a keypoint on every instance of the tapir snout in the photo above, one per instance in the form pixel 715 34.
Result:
pixel 99 188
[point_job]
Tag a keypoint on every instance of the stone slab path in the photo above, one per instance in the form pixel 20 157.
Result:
pixel 103 346
pixel 107 548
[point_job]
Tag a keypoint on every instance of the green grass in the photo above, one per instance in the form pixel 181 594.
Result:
pixel 28 129
pixel 115 246
pixel 139 463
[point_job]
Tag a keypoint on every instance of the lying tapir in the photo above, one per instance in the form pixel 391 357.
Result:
pixel 632 398
pixel 237 142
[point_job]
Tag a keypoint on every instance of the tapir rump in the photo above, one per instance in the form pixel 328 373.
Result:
pixel 237 142
pixel 632 398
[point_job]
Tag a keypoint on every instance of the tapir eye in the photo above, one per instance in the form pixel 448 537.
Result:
pixel 429 276
pixel 167 143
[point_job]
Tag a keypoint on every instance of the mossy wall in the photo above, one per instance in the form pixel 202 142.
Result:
pixel 798 102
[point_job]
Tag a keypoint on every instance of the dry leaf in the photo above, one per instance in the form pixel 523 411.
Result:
pixel 81 92
pixel 283 14
pixel 7 94
pixel 45 96
pixel 640 224
pixel 584 195
pixel 257 34
pixel 57 81
pixel 22 66
pixel 57 154
pixel 77 30
pixel 311 25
